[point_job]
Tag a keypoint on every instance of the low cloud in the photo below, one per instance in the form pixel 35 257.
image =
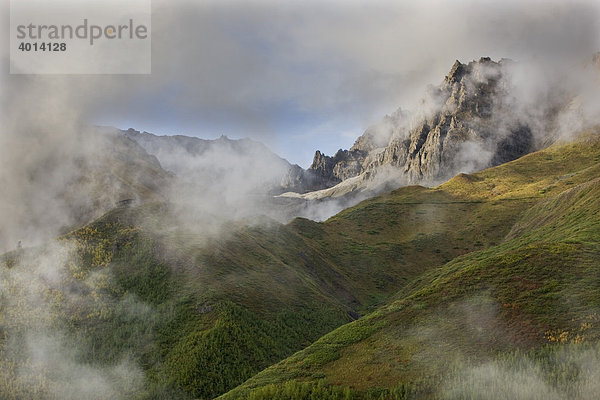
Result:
pixel 571 372
pixel 39 357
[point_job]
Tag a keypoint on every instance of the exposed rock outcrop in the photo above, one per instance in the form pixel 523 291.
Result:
pixel 345 164
pixel 465 124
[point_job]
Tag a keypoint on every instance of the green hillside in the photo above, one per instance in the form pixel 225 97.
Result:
pixel 199 314
pixel 527 283
pixel 498 266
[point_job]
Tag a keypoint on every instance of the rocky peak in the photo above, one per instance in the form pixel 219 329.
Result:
pixel 343 165
pixel 467 125
pixel 457 71
pixel 322 165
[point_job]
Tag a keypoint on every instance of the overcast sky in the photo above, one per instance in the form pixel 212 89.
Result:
pixel 302 76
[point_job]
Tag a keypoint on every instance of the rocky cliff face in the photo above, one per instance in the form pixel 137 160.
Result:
pixel 343 165
pixel 464 124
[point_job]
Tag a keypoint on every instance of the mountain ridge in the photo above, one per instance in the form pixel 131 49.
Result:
pixel 501 300
pixel 408 294
pixel 466 125
pixel 271 304
pixel 178 154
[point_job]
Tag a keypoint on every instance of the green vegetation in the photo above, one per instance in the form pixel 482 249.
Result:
pixel 553 372
pixel 494 272
pixel 531 283
pixel 196 331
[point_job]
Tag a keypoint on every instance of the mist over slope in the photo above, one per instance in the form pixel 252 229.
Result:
pixel 228 179
pixel 54 182
pixel 514 313
pixel 149 268
pixel 473 268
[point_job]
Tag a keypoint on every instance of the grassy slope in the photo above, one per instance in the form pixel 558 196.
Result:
pixel 211 313
pixel 199 315
pixel 534 281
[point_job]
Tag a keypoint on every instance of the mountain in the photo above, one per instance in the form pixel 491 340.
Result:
pixel 73 183
pixel 193 158
pixel 471 121
pixel 510 312
pixel 232 179
pixel 115 169
pixel 480 271
pixel 188 286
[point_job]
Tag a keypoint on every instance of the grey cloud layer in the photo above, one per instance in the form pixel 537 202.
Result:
pixel 237 59
pixel 234 63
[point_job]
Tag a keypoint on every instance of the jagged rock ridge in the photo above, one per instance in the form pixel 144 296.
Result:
pixel 465 124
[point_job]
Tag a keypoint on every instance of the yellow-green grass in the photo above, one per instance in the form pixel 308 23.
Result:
pixel 464 272
pixel 532 283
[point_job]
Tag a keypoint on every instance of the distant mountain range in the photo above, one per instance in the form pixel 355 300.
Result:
pixel 473 120
pixel 190 157
pixel 469 122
